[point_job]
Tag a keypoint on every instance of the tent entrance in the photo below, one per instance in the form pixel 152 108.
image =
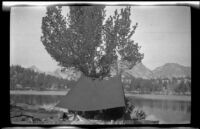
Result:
pixel 106 114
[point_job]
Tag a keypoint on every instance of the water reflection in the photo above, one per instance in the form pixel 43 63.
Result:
pixel 169 111
pixel 35 99
pixel 166 105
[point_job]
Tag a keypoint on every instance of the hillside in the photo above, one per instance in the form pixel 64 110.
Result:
pixel 141 71
pixel 170 70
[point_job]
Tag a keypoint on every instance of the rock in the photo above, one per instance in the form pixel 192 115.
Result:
pixel 151 117
pixel 133 116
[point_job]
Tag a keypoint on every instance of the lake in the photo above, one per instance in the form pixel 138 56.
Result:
pixel 167 111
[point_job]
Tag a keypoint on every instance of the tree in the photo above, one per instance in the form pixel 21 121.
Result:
pixel 84 43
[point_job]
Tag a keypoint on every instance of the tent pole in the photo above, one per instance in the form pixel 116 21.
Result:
pixel 119 72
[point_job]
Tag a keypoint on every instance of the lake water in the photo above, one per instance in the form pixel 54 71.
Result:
pixel 166 111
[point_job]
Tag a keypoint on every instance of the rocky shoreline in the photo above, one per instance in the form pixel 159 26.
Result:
pixel 29 114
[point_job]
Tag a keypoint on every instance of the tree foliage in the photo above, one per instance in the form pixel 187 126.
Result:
pixel 84 42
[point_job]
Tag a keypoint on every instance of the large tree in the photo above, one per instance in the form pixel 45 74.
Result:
pixel 85 42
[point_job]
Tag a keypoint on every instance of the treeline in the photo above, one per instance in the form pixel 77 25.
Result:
pixel 24 78
pixel 181 85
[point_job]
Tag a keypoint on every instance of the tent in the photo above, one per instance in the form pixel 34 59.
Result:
pixel 91 95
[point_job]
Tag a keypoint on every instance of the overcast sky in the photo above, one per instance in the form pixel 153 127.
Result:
pixel 164 34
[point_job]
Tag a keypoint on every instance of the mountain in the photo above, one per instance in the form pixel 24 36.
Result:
pixel 35 69
pixel 68 74
pixel 170 70
pixel 57 73
pixel 50 73
pixel 140 71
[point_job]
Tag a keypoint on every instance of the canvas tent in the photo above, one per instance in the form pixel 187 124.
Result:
pixel 90 95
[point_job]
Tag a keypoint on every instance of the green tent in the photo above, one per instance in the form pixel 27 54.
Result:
pixel 91 95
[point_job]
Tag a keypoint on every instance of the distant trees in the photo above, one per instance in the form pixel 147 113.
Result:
pixel 36 81
pixel 183 87
pixel 85 43
pixel 24 77
pixel 175 85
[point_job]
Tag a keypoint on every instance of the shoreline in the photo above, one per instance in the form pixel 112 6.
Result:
pixel 144 96
pixel 160 97
pixel 33 92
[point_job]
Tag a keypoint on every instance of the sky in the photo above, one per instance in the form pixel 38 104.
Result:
pixel 164 34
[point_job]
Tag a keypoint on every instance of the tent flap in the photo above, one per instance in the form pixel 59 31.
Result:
pixel 88 95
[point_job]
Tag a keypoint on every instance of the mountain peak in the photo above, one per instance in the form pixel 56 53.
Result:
pixel 34 68
pixel 140 71
pixel 170 70
pixel 167 70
